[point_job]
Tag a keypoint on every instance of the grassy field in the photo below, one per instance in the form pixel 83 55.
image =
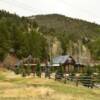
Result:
pixel 15 87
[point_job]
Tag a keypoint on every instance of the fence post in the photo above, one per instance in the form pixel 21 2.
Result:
pixel 66 77
pixel 77 79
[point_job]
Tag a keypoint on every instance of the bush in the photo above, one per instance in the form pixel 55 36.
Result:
pixel 38 70
pixel 28 70
pixel 17 70
pixel 23 71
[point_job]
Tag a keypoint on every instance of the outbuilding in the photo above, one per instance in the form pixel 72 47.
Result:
pixel 66 61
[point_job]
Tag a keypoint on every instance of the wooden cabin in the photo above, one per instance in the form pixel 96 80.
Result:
pixel 79 67
pixel 66 61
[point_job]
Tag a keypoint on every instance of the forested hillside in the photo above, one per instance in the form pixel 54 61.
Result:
pixel 69 29
pixel 20 35
pixel 23 34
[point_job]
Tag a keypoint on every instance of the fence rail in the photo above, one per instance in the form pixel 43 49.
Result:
pixel 84 80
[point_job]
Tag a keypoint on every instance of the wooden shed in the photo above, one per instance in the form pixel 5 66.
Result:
pixel 66 61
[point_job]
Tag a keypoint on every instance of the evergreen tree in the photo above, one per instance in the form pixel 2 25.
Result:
pixel 38 70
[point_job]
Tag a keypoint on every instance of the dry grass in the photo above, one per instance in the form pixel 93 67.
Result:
pixel 15 87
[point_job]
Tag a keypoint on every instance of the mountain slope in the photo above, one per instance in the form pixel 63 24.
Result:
pixel 62 24
pixel 69 35
pixel 19 34
pixel 68 29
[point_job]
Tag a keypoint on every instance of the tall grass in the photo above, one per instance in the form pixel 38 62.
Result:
pixel 13 87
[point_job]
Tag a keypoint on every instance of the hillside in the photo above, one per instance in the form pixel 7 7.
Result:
pixel 71 30
pixel 68 36
pixel 15 87
pixel 19 34
pixel 63 24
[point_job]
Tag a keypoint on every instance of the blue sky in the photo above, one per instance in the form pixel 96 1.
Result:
pixel 82 9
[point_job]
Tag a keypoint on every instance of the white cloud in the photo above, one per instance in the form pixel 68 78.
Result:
pixel 83 9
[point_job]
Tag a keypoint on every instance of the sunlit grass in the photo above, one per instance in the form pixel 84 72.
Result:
pixel 15 87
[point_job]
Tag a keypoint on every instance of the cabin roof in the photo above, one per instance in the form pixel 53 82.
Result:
pixel 60 59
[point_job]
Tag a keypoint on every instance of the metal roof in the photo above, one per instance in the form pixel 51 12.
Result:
pixel 60 59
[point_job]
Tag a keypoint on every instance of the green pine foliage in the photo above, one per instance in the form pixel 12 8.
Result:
pixel 23 71
pixel 23 34
pixel 95 48
pixel 20 34
pixel 67 29
pixel 17 70
pixel 38 70
pixel 28 70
